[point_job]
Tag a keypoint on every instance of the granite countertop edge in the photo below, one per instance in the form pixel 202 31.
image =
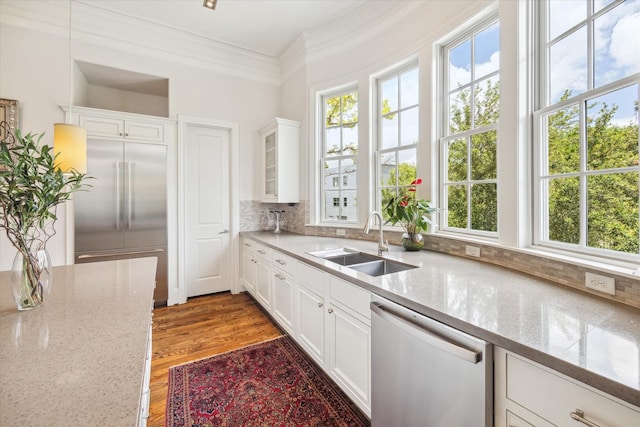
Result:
pixel 596 380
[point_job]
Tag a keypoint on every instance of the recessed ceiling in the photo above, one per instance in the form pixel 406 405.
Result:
pixel 263 26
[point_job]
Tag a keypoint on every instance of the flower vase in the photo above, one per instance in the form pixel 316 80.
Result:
pixel 31 278
pixel 412 241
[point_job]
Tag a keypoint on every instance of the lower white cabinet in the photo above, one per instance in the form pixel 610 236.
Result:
pixel 249 269
pixel 311 324
pixel 283 299
pixel 263 283
pixel 529 394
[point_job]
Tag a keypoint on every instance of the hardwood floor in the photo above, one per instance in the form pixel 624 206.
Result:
pixel 202 327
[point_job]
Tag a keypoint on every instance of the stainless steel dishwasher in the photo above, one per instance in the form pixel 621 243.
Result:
pixel 424 373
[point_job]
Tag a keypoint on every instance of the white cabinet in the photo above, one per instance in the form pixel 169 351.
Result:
pixel 311 325
pixel 263 278
pixel 527 393
pixel 249 266
pixel 116 128
pixel 349 340
pixel 280 145
pixel 282 280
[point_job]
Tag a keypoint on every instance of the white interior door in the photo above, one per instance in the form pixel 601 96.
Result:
pixel 207 211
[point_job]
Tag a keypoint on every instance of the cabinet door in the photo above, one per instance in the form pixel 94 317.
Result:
pixel 101 127
pixel 311 327
pixel 144 131
pixel 263 280
pixel 249 271
pixel 350 355
pixel 270 167
pixel 283 300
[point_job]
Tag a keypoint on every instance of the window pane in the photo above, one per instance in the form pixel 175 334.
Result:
pixel 350 140
pixel 386 195
pixel 409 88
pixel 332 142
pixel 409 126
pixel 389 95
pixel 457 160
pixel 460 111
pixel 407 166
pixel 349 108
pixel 612 219
pixel 612 130
pixel 484 207
pixel 332 111
pixel 331 170
pixel 487 102
pixel 599 4
pixel 457 206
pixel 390 131
pixel 483 156
pixel 564 210
pixel 331 205
pixel 349 211
pixel 564 14
pixel 568 66
pixel 616 55
pixel 349 173
pixel 460 65
pixel 564 141
pixel 388 169
pixel 487 51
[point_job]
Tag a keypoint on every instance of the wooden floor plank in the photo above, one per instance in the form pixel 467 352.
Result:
pixel 202 327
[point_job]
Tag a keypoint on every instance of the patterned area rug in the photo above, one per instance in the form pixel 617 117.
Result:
pixel 267 384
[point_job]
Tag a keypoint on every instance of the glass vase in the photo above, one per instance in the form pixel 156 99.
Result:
pixel 412 241
pixel 31 278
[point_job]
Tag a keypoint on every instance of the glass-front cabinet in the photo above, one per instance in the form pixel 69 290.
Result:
pixel 280 141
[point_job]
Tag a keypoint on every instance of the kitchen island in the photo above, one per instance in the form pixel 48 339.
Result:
pixel 80 358
pixel 590 339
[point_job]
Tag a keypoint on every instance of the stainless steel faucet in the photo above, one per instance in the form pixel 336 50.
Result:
pixel 383 245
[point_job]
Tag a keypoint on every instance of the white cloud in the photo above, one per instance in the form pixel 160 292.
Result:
pixel 625 43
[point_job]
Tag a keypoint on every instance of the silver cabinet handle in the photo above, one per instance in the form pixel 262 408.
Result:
pixel 225 231
pixel 320 305
pixel 248 245
pixel 129 190
pixel 279 261
pixel 280 276
pixel 578 415
pixel 118 201
pixel 330 310
pixel 261 252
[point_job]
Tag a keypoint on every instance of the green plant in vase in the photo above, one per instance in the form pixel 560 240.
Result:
pixel 31 187
pixel 412 213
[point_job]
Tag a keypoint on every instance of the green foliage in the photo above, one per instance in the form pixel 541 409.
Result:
pixel 31 186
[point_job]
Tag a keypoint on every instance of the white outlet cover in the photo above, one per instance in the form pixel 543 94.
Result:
pixel 600 283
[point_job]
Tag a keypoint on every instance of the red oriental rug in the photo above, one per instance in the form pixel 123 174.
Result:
pixel 272 383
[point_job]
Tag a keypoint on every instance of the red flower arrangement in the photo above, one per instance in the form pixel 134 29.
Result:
pixel 410 211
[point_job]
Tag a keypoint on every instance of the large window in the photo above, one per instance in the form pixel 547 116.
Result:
pixel 338 167
pixel 471 96
pixel 397 138
pixel 587 173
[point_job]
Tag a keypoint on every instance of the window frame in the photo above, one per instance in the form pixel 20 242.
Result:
pixel 542 108
pixel 468 32
pixel 377 151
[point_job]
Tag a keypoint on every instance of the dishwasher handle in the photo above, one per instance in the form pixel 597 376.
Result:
pixel 431 338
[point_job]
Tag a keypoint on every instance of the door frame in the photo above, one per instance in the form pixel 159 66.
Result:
pixel 178 294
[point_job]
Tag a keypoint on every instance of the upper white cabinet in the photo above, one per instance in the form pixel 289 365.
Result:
pixel 116 128
pixel 280 145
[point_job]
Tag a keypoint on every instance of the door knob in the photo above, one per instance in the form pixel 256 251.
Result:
pixel 225 231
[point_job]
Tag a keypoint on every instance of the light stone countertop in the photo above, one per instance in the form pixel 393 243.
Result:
pixel 591 339
pixel 77 360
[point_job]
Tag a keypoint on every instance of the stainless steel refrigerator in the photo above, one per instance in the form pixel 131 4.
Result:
pixel 124 213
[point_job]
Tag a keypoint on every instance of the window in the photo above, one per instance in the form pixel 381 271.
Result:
pixel 345 202
pixel 587 174
pixel 339 151
pixel 471 84
pixel 397 133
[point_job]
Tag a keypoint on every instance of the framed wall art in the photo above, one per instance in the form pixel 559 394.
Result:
pixel 9 114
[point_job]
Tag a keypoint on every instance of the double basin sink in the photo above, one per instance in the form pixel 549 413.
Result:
pixel 363 262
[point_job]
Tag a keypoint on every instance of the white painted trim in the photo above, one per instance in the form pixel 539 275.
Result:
pixel 180 293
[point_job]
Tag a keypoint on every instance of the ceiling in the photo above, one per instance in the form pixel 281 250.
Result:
pixel 263 26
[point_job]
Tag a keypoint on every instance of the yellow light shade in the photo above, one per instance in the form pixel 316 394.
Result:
pixel 70 145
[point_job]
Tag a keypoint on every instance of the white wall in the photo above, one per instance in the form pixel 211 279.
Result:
pixel 34 69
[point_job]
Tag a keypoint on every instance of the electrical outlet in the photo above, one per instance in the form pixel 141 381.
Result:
pixel 341 232
pixel 473 251
pixel 600 283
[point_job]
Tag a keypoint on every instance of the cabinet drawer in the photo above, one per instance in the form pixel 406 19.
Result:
pixel 554 397
pixel 515 421
pixel 311 277
pixel 284 263
pixel 350 296
pixel 249 245
pixel 262 251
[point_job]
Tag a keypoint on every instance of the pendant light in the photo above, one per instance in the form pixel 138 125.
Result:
pixel 70 141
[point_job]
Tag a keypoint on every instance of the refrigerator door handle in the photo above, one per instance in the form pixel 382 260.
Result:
pixel 129 203
pixel 118 201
